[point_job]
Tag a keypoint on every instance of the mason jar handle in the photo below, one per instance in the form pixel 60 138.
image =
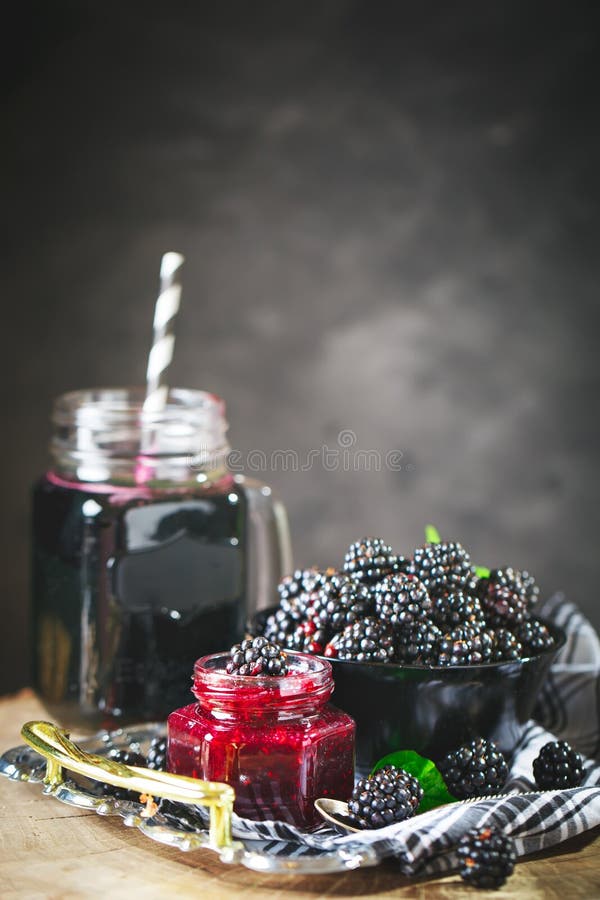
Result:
pixel 60 752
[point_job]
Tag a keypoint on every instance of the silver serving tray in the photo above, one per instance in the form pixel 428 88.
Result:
pixel 178 824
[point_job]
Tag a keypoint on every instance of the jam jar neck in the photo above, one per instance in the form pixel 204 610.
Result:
pixel 106 436
pixel 303 691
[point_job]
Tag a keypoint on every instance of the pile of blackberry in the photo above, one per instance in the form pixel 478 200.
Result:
pixel 128 758
pixel 157 755
pixel 257 656
pixel 156 759
pixel 426 609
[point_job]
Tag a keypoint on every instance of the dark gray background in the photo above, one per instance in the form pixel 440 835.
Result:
pixel 390 217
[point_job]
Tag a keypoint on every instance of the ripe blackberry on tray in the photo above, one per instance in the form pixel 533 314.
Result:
pixel 504 597
pixel 129 758
pixel 390 795
pixel 257 656
pixel 558 766
pixel 157 754
pixel 370 560
pixel 534 636
pixel 487 857
pixel 474 770
pixel 367 640
pixel 442 567
pixel 401 600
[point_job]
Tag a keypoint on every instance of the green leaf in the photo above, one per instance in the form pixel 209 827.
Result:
pixel 435 792
pixel 432 535
pixel 482 572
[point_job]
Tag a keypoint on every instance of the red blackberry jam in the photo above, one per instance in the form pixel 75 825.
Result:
pixel 275 739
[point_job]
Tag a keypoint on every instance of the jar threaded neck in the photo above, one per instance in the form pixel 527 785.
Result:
pixel 308 685
pixel 106 435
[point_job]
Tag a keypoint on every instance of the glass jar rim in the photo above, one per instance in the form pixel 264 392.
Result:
pixel 126 405
pixel 309 680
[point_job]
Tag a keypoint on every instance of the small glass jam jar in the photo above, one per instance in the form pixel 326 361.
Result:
pixel 275 739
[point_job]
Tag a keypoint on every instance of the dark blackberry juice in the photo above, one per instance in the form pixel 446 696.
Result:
pixel 130 586
pixel 147 553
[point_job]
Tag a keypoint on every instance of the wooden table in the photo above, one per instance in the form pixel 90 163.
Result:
pixel 51 850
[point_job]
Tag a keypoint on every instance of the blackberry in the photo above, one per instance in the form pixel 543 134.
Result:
pixel 487 857
pixel 157 754
pixel 370 559
pixel 308 637
pixel 506 646
pixel 419 643
pixel 442 567
pixel 280 626
pixel 474 770
pixel 129 758
pixel 530 587
pixel 534 636
pixel 401 600
pixel 466 645
pixel 457 608
pixel 257 656
pixel 299 582
pixel 340 601
pixel 454 647
pixel 296 591
pixel 400 566
pixel 368 640
pixel 483 647
pixel 390 795
pixel 504 598
pixel 557 767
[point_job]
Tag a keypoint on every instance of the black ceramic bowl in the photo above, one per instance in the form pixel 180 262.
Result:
pixel 435 710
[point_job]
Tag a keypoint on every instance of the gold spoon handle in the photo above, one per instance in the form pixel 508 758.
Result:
pixel 60 753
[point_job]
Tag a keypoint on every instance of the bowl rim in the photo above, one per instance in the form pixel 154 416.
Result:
pixel 558 633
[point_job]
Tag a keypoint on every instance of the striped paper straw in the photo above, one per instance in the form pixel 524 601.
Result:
pixel 163 342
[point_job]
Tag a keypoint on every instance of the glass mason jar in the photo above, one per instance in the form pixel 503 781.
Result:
pixel 147 552
pixel 275 739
